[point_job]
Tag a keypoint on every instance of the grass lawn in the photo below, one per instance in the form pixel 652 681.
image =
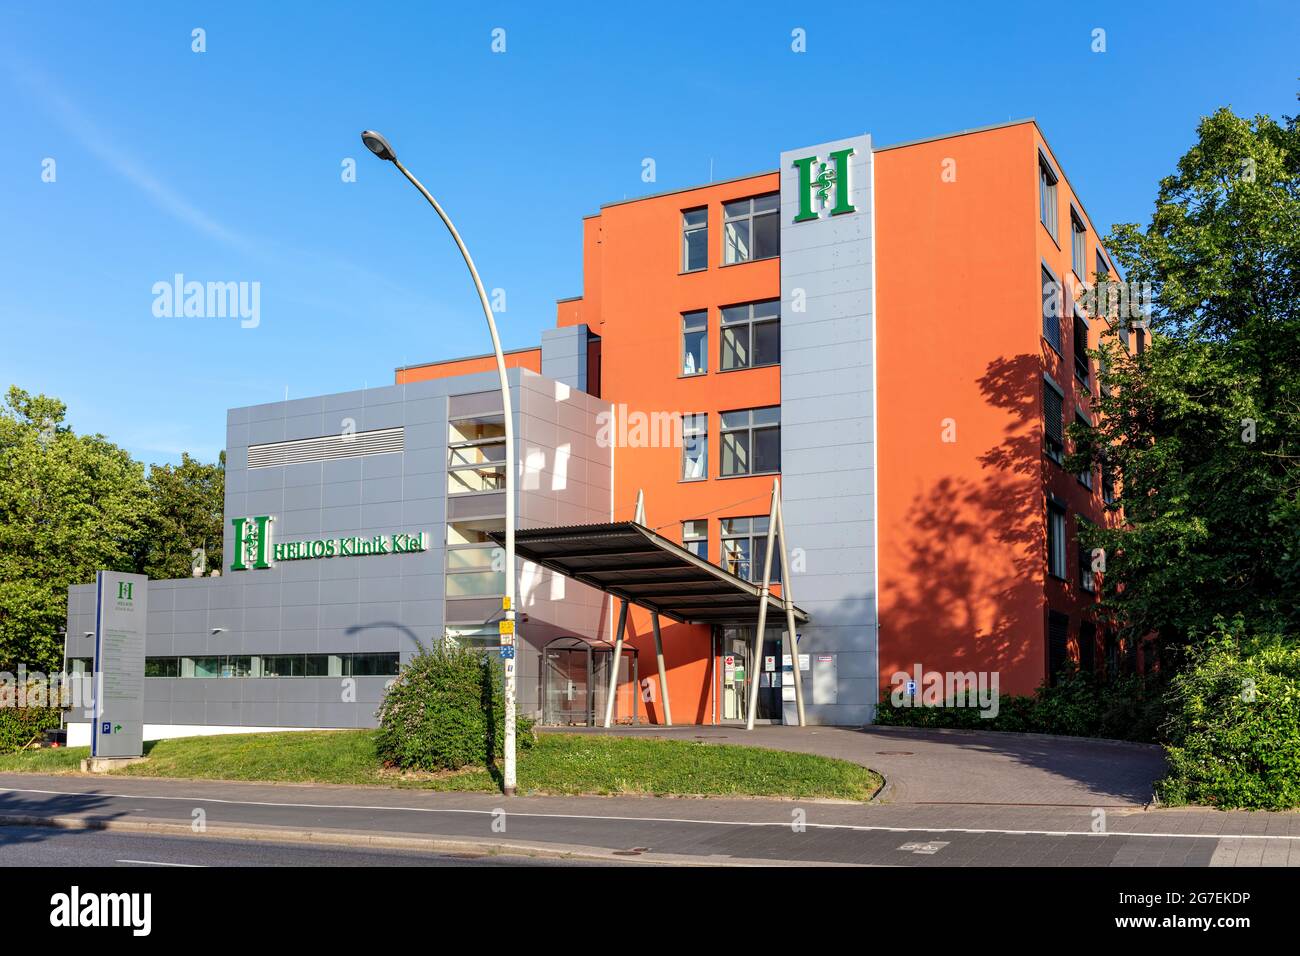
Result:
pixel 556 764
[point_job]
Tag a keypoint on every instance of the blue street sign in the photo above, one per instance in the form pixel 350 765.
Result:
pixel 507 653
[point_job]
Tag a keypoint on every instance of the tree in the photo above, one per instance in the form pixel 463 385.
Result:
pixel 69 506
pixel 1203 428
pixel 188 507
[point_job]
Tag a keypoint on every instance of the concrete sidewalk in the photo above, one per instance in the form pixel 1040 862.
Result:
pixel 959 766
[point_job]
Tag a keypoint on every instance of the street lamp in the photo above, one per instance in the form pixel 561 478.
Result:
pixel 378 145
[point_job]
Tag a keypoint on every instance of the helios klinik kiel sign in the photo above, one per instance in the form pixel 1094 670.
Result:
pixel 254 548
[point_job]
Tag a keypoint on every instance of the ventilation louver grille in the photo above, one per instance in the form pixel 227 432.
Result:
pixel 382 441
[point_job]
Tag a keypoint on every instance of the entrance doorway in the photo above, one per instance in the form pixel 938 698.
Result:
pixel 737 672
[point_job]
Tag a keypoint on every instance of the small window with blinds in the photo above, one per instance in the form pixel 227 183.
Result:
pixel 381 441
pixel 1053 422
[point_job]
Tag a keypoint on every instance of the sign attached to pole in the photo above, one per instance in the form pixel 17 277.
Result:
pixel 121 617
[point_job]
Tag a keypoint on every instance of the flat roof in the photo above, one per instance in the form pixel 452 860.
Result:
pixel 635 564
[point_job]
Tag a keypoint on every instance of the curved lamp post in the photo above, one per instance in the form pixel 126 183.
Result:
pixel 381 148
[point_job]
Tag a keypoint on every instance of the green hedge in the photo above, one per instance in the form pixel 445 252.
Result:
pixel 20 725
pixel 1126 708
pixel 444 711
pixel 1233 731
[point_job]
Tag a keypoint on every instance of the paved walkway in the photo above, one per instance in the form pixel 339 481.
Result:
pixel 962 767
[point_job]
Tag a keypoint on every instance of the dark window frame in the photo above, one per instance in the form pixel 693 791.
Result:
pixel 750 430
pixel 750 323
pixel 751 217
pixel 689 230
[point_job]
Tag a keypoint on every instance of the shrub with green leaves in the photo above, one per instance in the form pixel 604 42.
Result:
pixel 1076 705
pixel 1234 725
pixel 444 711
pixel 19 726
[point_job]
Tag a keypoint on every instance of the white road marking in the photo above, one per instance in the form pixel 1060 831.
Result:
pixel 782 824
pixel 160 863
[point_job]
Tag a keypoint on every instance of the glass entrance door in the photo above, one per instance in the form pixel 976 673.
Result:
pixel 567 701
pixel 738 672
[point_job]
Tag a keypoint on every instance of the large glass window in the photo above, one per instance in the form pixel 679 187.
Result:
pixel 751 229
pixel 695 342
pixel 695 447
pixel 744 548
pixel 751 335
pixel 476 452
pixel 751 441
pixel 695 239
pixel 162 667
pixel 695 537
pixel 1047 195
pixel 1055 540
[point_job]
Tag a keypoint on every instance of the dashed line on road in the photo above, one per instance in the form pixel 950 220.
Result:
pixel 780 824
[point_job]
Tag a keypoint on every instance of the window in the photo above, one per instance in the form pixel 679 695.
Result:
pixel 1081 348
pixel 1087 647
pixel 695 447
pixel 1085 476
pixel 1058 644
pixel 1141 339
pixel 695 239
pixel 695 342
pixel 1103 270
pixel 695 537
pixel 744 548
pixel 162 667
pixel 1051 310
pixel 1078 246
pixel 751 335
pixel 1047 195
pixel 751 229
pixel 1055 539
pixel 372 665
pixel 1053 422
pixel 751 441
pixel 1107 484
pixel 476 454
pixel 1086 579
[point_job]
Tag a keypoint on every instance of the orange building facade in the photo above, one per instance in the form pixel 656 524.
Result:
pixel 884 330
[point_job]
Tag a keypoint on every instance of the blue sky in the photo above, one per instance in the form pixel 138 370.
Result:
pixel 226 165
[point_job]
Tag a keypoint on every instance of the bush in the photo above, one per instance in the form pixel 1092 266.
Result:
pixel 1077 705
pixel 445 710
pixel 20 725
pixel 1233 729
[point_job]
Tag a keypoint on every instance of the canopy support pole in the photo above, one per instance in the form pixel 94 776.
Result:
pixel 663 674
pixel 614 662
pixel 787 598
pixel 761 629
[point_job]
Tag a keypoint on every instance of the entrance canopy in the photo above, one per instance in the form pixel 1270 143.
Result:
pixel 631 562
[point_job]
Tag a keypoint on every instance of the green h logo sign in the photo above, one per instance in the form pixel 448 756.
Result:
pixel 252 543
pixel 124 590
pixel 820 180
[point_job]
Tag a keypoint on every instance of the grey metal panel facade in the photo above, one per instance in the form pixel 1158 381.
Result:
pixel 379 603
pixel 827 429
pixel 564 355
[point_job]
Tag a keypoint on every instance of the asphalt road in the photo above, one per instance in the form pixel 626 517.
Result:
pixel 43 846
pixel 621 829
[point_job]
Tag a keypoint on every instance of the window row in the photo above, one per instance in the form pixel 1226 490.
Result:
pixel 751 230
pixel 750 334
pixel 751 443
pixel 744 546
pixel 1054 438
pixel 379 664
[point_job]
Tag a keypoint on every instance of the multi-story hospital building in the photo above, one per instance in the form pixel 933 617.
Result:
pixel 869 324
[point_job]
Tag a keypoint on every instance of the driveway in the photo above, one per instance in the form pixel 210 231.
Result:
pixel 959 766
